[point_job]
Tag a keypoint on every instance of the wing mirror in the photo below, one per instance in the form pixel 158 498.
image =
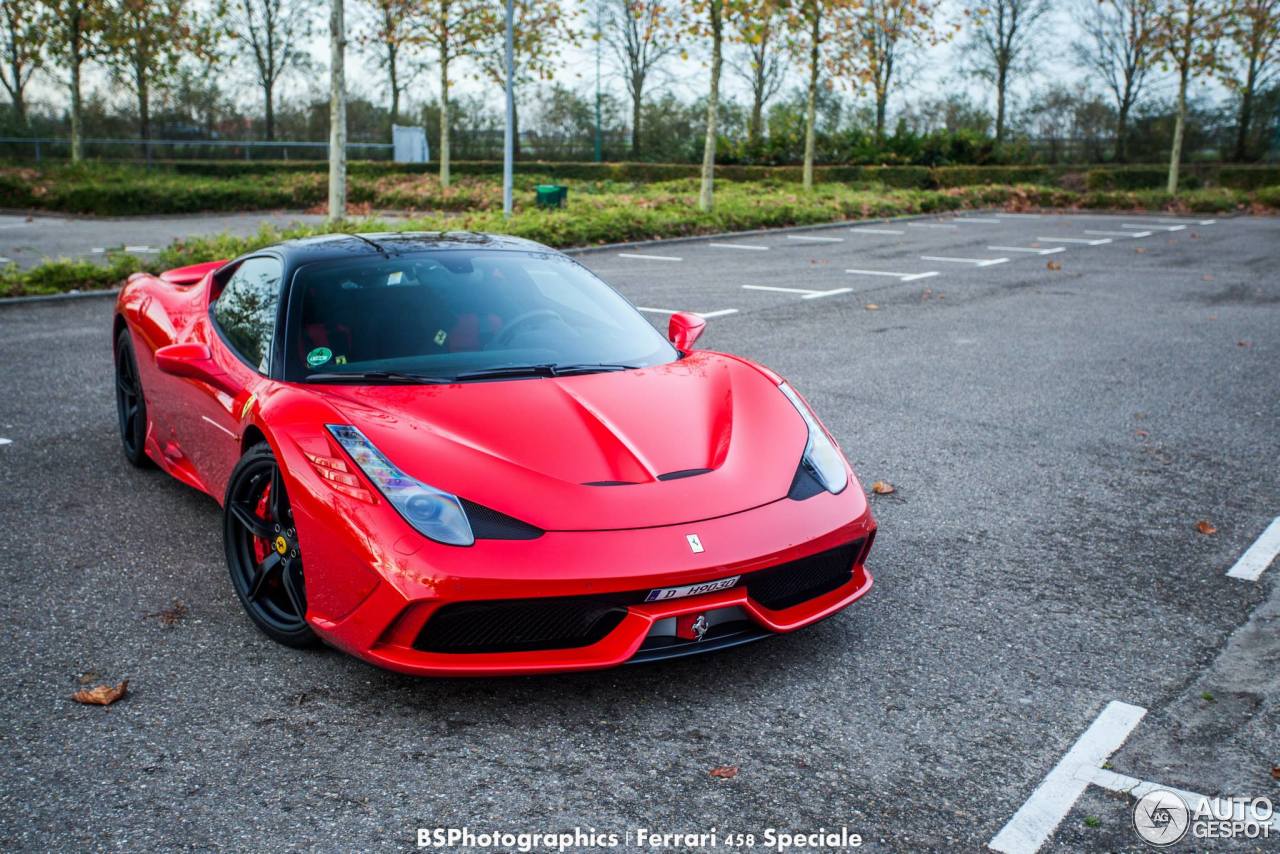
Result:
pixel 194 362
pixel 684 329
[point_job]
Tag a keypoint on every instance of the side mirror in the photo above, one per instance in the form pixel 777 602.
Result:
pixel 194 362
pixel 684 329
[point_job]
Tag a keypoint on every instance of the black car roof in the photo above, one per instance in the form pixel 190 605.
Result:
pixel 326 247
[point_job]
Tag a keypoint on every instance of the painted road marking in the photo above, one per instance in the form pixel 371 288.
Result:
pixel 976 219
pixel 97 250
pixel 1050 251
pixel 1037 819
pixel 1148 226
pixel 1253 562
pixel 902 277
pixel 140 249
pixel 808 294
pixel 4 260
pixel 815 239
pixel 876 231
pixel 1098 241
pixel 1207 221
pixel 1133 234
pixel 703 314
pixel 6 441
pixel 930 225
pixel 1139 789
pixel 649 257
pixel 977 262
pixel 754 246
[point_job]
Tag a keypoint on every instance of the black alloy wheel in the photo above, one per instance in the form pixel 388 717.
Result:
pixel 131 407
pixel 262 549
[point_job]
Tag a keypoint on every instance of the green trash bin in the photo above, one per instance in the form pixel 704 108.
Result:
pixel 552 195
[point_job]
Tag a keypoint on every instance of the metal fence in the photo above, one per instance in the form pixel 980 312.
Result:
pixel 39 149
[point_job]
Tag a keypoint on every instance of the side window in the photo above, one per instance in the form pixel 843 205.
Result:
pixel 246 309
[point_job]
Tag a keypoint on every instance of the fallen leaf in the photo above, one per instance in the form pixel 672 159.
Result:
pixel 1205 527
pixel 1194 236
pixel 882 487
pixel 871 307
pixel 102 695
pixel 725 772
pixel 172 615
pixel 1140 250
pixel 1141 434
pixel 1244 343
pixel 1206 278
pixel 1054 265
pixel 1275 772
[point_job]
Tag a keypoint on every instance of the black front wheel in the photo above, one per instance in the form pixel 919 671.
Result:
pixel 131 407
pixel 262 549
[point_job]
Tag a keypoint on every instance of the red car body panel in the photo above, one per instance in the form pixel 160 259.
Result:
pixel 526 448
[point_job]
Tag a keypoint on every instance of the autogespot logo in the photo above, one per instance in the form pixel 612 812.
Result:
pixel 1161 817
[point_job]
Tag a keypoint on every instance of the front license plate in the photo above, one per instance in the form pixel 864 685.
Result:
pixel 664 593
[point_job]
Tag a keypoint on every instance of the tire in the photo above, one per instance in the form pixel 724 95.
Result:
pixel 263 555
pixel 131 404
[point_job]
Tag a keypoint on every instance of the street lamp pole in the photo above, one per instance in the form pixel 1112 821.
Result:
pixel 508 138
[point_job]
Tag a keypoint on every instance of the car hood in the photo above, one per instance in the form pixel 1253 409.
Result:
pixel 701 437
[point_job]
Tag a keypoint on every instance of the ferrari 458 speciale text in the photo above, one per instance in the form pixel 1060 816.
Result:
pixel 465 454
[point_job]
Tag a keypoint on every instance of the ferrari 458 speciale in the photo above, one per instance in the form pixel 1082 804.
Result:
pixel 466 454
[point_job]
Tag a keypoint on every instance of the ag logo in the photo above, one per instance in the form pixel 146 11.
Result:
pixel 695 544
pixel 700 627
pixel 1161 817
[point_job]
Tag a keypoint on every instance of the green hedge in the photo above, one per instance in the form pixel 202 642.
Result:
pixel 1192 177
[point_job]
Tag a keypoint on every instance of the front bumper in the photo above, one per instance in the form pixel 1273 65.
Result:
pixel 416 578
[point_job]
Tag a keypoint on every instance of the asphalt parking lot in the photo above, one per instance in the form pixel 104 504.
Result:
pixel 1058 400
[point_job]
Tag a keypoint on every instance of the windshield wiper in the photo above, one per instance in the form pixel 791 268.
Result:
pixel 543 370
pixel 375 376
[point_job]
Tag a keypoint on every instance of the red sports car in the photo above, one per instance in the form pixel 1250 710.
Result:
pixel 465 454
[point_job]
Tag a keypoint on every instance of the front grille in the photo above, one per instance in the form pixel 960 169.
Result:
pixel 800 580
pixel 516 625
pixel 563 622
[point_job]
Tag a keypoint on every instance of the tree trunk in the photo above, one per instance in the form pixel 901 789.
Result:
pixel 144 107
pixel 882 98
pixel 636 102
pixel 811 100
pixel 755 127
pixel 268 98
pixel 444 118
pixel 1122 133
pixel 1175 155
pixel 337 112
pixel 77 141
pixel 1002 81
pixel 394 76
pixel 515 124
pixel 1246 113
pixel 706 198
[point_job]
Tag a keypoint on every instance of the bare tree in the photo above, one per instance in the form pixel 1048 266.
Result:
pixel 145 40
pixel 1119 46
pixel 763 70
pixel 75 29
pixel 812 24
pixel 390 32
pixel 453 28
pixel 708 22
pixel 1253 30
pixel 875 36
pixel 276 32
pixel 23 40
pixel 641 35
pixel 1002 38
pixel 1187 36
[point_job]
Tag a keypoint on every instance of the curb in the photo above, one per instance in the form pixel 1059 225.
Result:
pixel 72 295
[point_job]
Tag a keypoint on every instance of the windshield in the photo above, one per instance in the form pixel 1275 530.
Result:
pixel 448 314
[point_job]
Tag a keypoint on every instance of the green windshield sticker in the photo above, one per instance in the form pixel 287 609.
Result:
pixel 319 356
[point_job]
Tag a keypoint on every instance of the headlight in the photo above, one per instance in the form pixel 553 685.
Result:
pixel 435 514
pixel 821 457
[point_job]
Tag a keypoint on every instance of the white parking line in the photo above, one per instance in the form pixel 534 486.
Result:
pixel 1036 820
pixel 1139 789
pixel 6 441
pixel 807 293
pixel 977 262
pixel 1149 226
pixel 649 257
pixel 97 250
pixel 976 219
pixel 876 231
pixel 140 249
pixel 754 246
pixel 1207 221
pixel 1085 240
pixel 1133 234
pixel 930 225
pixel 815 239
pixel 902 277
pixel 703 314
pixel 1258 557
pixel 4 260
pixel 1050 251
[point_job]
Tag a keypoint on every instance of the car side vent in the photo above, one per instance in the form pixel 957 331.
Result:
pixel 610 483
pixel 488 524
pixel 677 475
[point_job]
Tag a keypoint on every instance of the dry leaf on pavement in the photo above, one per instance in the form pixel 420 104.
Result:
pixel 725 772
pixel 882 487
pixel 1054 265
pixel 871 307
pixel 1205 527
pixel 102 695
